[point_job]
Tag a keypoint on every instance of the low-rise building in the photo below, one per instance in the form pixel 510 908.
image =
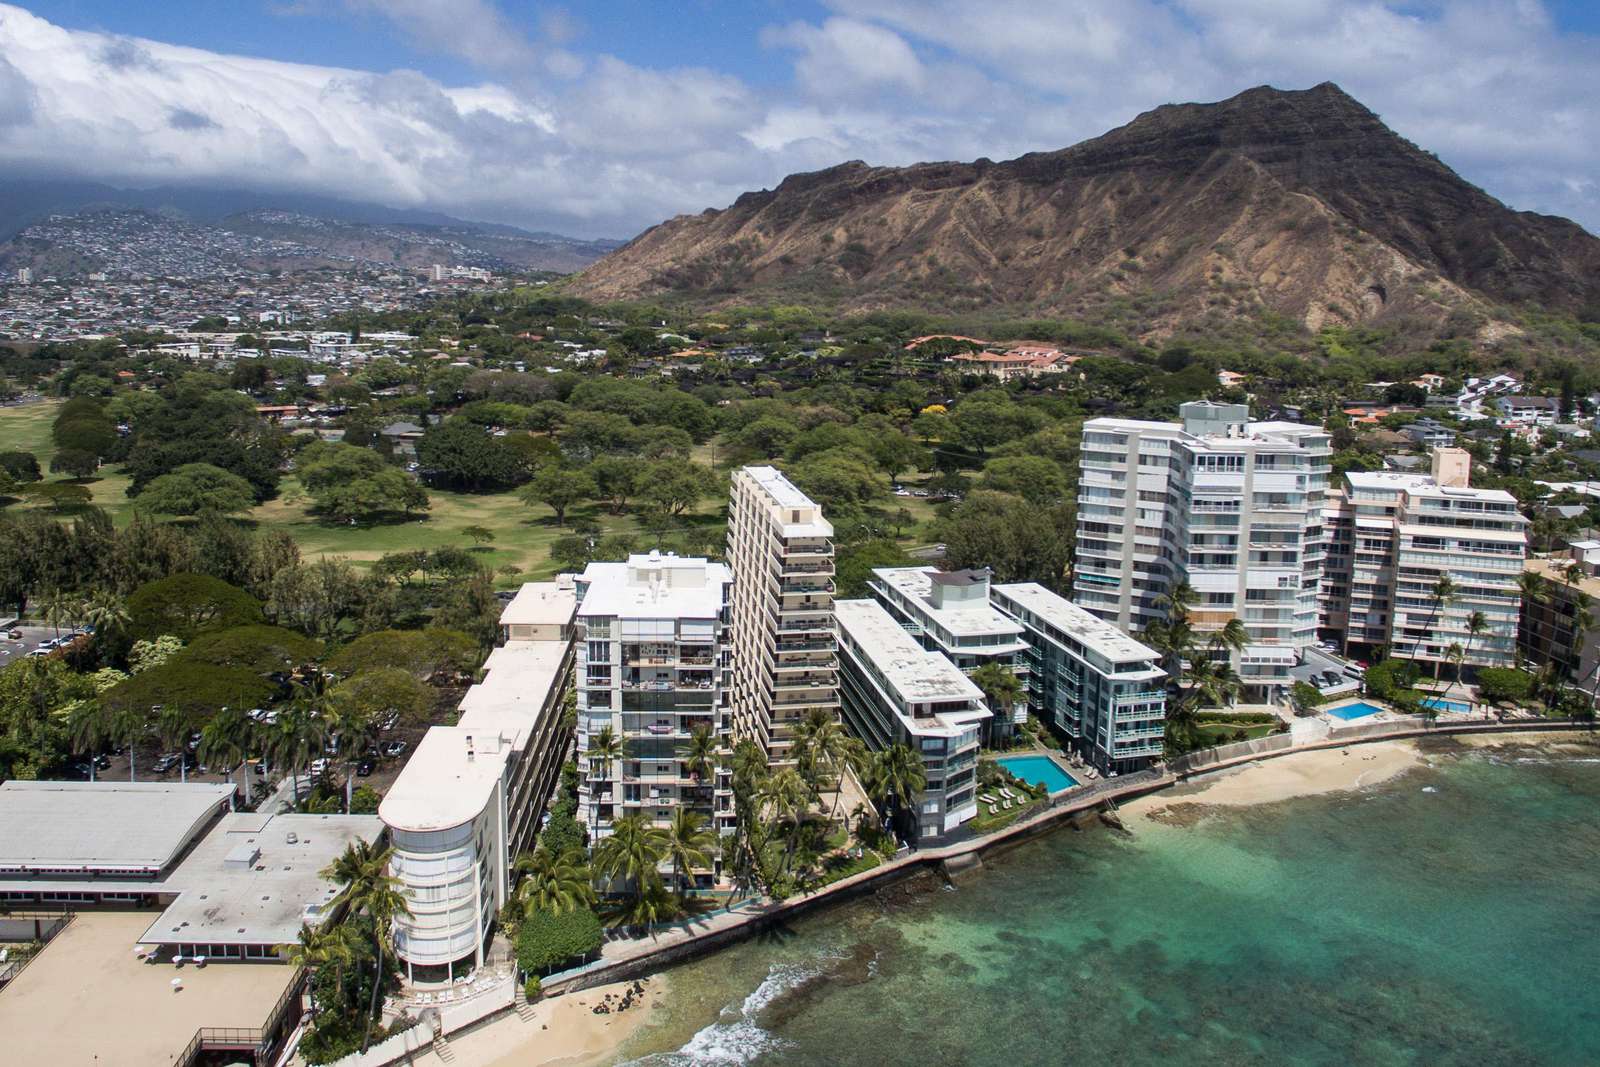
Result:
pixel 897 692
pixel 1100 687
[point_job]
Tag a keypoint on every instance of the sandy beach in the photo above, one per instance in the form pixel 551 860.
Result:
pixel 1299 774
pixel 559 1032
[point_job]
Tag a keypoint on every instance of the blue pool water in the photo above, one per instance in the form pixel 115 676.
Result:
pixel 1038 770
pixel 1441 704
pixel 1358 710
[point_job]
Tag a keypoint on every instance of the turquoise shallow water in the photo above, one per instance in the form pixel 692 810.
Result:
pixel 1447 917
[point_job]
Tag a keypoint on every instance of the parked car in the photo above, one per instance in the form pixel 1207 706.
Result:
pixel 393 748
pixel 365 767
pixel 319 767
pixel 166 762
pixel 14 635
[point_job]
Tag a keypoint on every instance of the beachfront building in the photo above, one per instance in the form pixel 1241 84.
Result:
pixel 229 885
pixel 780 553
pixel 949 612
pixel 1231 507
pixel 1395 535
pixel 1101 688
pixel 1553 628
pixel 472 795
pixel 897 692
pixel 653 662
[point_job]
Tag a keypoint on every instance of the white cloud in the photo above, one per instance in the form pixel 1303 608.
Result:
pixel 589 144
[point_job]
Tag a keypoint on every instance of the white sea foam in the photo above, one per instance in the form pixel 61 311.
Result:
pixel 737 1037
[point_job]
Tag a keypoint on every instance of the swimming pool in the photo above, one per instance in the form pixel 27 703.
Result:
pixel 1441 704
pixel 1038 770
pixel 1359 710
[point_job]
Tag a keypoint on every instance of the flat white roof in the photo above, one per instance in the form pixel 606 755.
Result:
pixel 519 679
pixel 782 493
pixel 1094 632
pixel 655 586
pixel 971 618
pixel 917 675
pixel 125 826
pixel 442 785
pixel 1462 492
pixel 542 604
pixel 1388 480
pixel 245 883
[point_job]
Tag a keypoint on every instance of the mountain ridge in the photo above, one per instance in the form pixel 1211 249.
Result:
pixel 1298 201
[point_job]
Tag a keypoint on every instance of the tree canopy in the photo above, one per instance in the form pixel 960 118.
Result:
pixel 187 604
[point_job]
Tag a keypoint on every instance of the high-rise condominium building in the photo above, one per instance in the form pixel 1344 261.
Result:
pixel 1231 507
pixel 652 666
pixel 898 693
pixel 950 612
pixel 780 552
pixel 1394 535
pixel 1100 687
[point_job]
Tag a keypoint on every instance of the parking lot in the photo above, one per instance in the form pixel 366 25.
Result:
pixel 32 637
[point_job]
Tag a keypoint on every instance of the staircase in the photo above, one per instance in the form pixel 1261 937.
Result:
pixel 442 1049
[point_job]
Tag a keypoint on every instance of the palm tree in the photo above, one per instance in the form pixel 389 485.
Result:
pixel 367 885
pixel 1232 637
pixel 900 775
pixel 55 607
pixel 317 948
pixel 1477 626
pixel 225 741
pixel 90 725
pixel 105 611
pixel 632 852
pixel 1001 689
pixel 1177 599
pixel 1213 681
pixel 1445 593
pixel 689 844
pixel 173 727
pixel 356 728
pixel 700 754
pixel 605 747
pixel 554 882
pixel 294 739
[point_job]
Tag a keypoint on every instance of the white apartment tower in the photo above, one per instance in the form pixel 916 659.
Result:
pixel 1232 507
pixel 652 665
pixel 1394 535
pixel 780 551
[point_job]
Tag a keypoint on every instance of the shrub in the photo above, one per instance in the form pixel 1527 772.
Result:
pixel 365 800
pixel 1497 684
pixel 1390 677
pixel 531 988
pixel 547 939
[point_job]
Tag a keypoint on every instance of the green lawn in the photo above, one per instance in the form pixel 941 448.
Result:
pixel 26 428
pixel 1222 732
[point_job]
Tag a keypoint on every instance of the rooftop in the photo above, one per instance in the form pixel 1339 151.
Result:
pixel 255 878
pixel 519 679
pixel 779 488
pixel 963 618
pixel 1093 632
pixel 542 604
pixel 447 782
pixel 916 675
pixel 1389 480
pixel 103 826
pixel 654 586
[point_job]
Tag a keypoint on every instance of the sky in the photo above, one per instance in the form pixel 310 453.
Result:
pixel 600 118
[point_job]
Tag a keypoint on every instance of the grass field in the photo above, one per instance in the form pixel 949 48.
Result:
pixel 523 533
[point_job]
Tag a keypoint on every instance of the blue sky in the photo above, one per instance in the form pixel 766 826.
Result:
pixel 602 117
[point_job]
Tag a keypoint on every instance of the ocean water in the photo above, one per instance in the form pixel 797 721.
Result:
pixel 1450 916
